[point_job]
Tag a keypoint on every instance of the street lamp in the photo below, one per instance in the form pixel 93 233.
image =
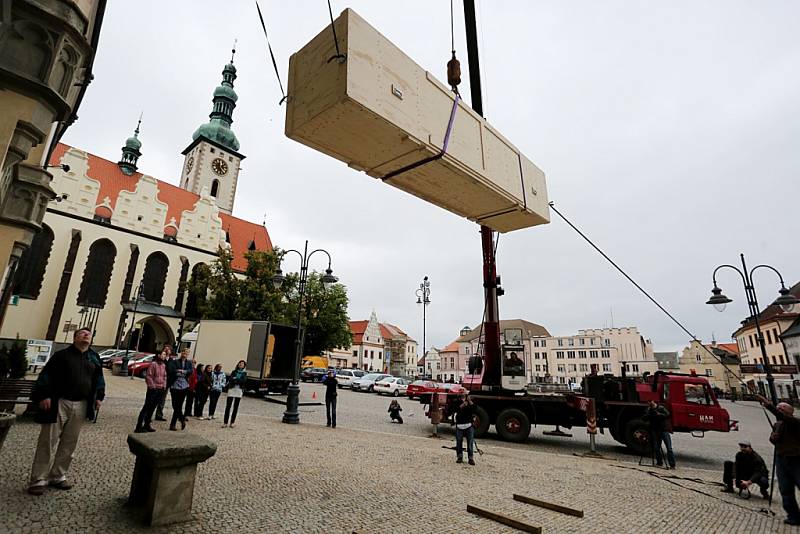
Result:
pixel 423 299
pixel 785 300
pixel 137 299
pixel 292 414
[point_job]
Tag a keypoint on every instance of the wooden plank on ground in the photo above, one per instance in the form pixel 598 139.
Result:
pixel 548 505
pixel 500 518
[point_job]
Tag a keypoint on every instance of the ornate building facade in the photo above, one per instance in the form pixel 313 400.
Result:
pixel 118 249
pixel 47 51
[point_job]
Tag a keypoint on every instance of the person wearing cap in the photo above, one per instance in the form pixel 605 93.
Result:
pixel 749 468
pixel 786 438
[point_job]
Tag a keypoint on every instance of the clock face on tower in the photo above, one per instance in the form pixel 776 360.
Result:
pixel 189 164
pixel 219 166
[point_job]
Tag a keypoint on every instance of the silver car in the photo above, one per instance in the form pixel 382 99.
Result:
pixel 367 382
pixel 346 376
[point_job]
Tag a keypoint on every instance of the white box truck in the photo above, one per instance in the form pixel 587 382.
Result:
pixel 267 348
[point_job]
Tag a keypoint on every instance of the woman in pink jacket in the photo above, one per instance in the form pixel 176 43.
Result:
pixel 156 379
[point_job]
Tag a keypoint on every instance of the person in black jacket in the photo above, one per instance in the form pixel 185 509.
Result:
pixel 786 438
pixel 331 384
pixel 394 411
pixel 658 417
pixel 464 416
pixel 749 468
pixel 69 389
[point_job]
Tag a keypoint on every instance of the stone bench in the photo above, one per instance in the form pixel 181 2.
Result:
pixel 163 479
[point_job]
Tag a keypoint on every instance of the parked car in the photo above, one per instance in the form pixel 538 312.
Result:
pixel 418 387
pixel 132 357
pixel 138 367
pixel 346 376
pixel 367 382
pixel 107 355
pixel 313 374
pixel 391 386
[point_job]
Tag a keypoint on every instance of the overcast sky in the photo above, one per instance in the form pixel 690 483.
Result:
pixel 668 132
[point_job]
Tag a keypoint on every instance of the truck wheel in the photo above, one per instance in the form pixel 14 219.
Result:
pixel 481 422
pixel 513 425
pixel 637 437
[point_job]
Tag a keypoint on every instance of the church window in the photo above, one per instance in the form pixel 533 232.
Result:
pixel 32 264
pixel 97 274
pixel 230 158
pixel 212 149
pixel 155 276
pixel 102 214
pixel 139 218
pixel 214 188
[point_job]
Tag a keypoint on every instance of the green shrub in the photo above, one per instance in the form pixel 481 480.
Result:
pixel 18 359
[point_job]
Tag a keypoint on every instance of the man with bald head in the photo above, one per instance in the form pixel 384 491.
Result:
pixel 786 438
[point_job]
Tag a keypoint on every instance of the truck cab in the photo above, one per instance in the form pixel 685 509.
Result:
pixel 689 399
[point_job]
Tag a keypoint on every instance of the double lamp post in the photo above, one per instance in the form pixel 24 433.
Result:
pixel 292 413
pixel 785 300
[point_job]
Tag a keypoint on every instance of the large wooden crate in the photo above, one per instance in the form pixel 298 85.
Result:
pixel 379 112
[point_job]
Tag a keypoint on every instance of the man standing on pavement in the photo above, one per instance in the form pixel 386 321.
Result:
pixel 786 438
pixel 166 351
pixel 465 413
pixel 749 468
pixel 658 417
pixel 69 389
pixel 331 383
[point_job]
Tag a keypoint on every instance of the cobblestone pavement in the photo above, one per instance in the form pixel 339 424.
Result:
pixel 271 477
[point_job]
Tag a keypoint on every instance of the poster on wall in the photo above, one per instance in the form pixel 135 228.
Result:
pixel 38 352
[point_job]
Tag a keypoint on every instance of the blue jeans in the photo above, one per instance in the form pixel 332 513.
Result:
pixel 470 435
pixel 788 470
pixel 666 438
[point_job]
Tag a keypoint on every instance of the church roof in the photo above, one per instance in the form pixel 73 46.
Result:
pixel 113 180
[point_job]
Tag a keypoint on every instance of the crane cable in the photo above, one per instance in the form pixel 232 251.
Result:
pixel 646 294
pixel 271 55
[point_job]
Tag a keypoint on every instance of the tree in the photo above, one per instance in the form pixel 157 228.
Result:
pixel 197 291
pixel 223 289
pixel 258 298
pixel 324 314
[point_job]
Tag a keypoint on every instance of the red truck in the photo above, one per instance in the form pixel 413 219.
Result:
pixel 620 403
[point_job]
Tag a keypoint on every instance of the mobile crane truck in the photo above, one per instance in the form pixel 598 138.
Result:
pixel 619 403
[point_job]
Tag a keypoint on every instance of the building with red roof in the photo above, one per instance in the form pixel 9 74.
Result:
pixel 119 247
pixel 382 347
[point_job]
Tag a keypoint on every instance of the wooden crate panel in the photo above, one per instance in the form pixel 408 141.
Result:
pixel 379 111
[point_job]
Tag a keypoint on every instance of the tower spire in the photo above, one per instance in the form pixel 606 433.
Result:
pixel 131 152
pixel 218 129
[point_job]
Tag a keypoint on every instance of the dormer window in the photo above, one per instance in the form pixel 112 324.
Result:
pixel 102 214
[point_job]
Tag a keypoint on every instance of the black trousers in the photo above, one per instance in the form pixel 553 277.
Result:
pixel 151 399
pixel 235 402
pixel 212 404
pixel 178 398
pixel 201 396
pixel 161 401
pixel 396 417
pixel 189 403
pixel 330 410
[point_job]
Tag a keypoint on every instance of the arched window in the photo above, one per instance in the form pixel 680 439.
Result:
pixel 32 264
pixel 97 274
pixel 214 188
pixel 155 276
pixel 197 290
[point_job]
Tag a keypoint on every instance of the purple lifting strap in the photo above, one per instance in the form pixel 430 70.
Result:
pixel 441 153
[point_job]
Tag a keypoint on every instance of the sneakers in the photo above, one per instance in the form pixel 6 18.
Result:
pixel 471 461
pixel 459 460
pixel 232 425
pixel 62 485
pixel 224 425
pixel 183 424
pixel 212 417
pixel 36 490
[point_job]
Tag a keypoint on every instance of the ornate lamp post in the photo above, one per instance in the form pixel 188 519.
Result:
pixel 423 299
pixel 137 299
pixel 292 414
pixel 785 300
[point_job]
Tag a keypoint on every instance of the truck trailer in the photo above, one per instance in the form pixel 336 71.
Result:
pixel 268 350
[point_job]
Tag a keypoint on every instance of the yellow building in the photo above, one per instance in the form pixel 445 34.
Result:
pixel 46 54
pixel 116 233
pixel 720 367
pixel 773 322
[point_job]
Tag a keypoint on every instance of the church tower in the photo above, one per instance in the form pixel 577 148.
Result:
pixel 131 152
pixel 212 159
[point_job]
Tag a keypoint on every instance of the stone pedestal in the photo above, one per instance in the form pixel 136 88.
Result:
pixel 163 479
